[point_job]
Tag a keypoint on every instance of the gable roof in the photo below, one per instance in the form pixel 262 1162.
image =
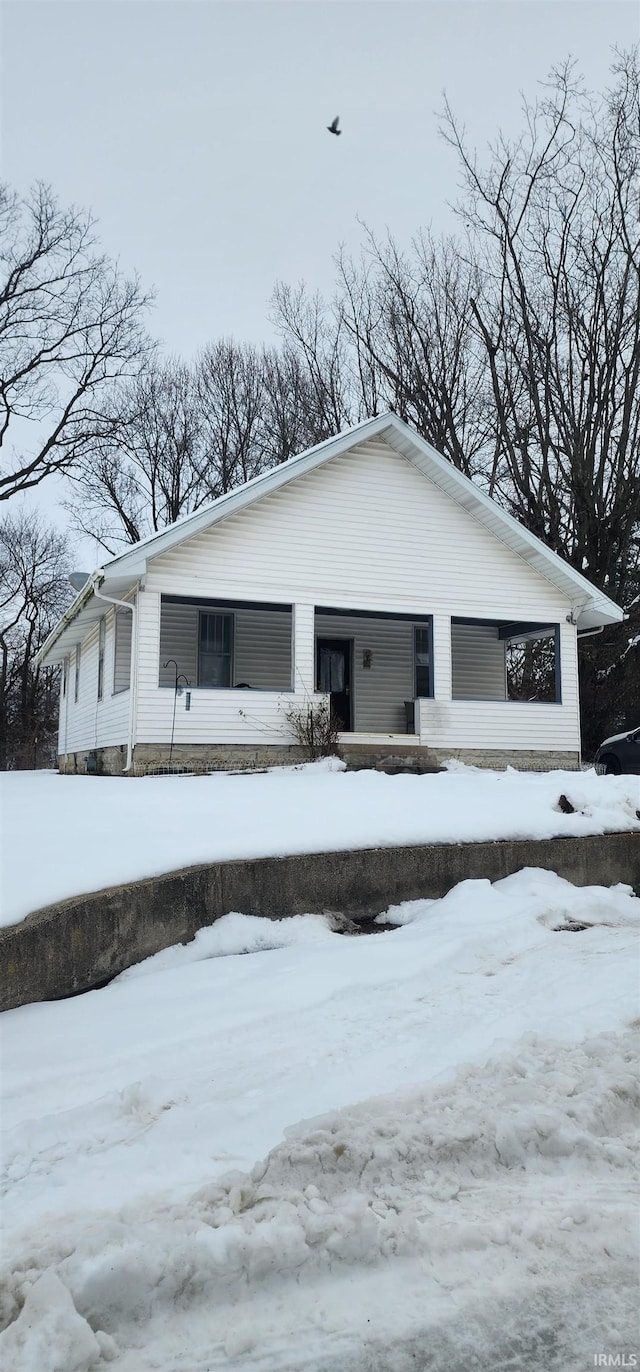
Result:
pixel 119 574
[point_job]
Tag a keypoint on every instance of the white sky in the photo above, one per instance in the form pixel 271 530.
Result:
pixel 196 130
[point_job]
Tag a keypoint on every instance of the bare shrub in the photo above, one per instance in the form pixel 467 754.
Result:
pixel 315 729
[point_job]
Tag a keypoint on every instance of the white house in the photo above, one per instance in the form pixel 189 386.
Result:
pixel 367 569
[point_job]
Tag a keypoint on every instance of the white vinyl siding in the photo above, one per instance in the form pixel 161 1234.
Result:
pixel 89 722
pixel 477 662
pixel 122 651
pixel 368 531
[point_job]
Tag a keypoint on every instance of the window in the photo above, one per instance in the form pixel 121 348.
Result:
pixel 422 655
pixel 215 650
pixel 76 682
pixel 101 641
pixel 122 651
pixel 533 666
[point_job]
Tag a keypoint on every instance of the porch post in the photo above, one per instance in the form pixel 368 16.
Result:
pixel 442 657
pixel 303 649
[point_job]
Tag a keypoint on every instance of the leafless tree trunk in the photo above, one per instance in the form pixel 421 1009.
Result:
pixel 33 593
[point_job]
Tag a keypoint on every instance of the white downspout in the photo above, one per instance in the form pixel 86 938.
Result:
pixel 132 606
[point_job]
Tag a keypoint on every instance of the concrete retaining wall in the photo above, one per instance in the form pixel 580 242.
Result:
pixel 83 942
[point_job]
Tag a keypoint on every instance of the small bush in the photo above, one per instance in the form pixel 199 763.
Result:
pixel 315 729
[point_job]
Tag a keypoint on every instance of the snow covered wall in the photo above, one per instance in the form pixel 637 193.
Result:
pixel 82 943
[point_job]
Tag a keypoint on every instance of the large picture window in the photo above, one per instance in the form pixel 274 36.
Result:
pixel 215 650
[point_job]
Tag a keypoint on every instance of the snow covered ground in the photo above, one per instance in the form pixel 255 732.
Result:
pixel 84 833
pixel 282 1150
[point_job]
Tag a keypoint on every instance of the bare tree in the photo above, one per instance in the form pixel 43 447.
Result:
pixel 553 225
pixel 316 336
pixel 230 386
pixel 70 324
pixel 152 467
pixel 410 322
pixel 184 435
pixel 33 593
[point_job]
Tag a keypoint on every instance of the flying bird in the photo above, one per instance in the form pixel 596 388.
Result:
pixel 333 128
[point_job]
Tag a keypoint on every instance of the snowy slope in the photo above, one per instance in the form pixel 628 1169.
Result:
pixel 404 1151
pixel 64 835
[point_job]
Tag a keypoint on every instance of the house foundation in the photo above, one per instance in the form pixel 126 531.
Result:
pixel 158 758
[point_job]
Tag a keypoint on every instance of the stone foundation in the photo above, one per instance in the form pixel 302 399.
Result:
pixel 521 761
pixel 110 762
pixel 150 758
pixel 213 757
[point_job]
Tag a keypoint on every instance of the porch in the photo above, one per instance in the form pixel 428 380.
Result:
pixel 225 674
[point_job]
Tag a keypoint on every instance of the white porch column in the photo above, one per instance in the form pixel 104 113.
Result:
pixel 148 643
pixel 303 649
pixel 442 657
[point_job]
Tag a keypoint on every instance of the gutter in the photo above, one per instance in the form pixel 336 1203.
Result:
pixel 95 580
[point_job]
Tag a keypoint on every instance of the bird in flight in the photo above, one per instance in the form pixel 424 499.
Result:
pixel 333 128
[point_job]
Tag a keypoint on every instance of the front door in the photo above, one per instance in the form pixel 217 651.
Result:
pixel 333 677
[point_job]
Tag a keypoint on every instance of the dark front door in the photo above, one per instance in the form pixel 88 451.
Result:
pixel 333 677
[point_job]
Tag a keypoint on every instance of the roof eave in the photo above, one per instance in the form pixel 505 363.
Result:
pixel 76 622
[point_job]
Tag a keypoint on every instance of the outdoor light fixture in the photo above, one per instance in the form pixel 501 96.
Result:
pixel 366 657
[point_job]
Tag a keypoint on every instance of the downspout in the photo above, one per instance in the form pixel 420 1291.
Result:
pixel 586 633
pixel 133 666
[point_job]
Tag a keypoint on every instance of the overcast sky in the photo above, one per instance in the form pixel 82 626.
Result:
pixel 195 130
